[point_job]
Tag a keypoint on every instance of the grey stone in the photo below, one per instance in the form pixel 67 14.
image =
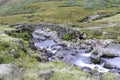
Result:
pixel 112 63
pixel 99 52
pixel 10 72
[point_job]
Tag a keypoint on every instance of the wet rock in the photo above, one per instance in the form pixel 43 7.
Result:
pixel 10 72
pixel 99 52
pixel 112 63
pixel 45 52
pixel 113 47
pixel 39 33
pixel 115 71
pixel 68 58
pixel 87 48
pixel 59 47
pixel 87 69
pixel 49 53
pixel 60 55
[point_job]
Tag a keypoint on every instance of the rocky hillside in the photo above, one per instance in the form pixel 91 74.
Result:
pixel 59 39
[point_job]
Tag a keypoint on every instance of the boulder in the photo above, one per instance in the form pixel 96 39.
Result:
pixel 97 42
pixel 112 63
pixel 99 52
pixel 10 72
pixel 113 47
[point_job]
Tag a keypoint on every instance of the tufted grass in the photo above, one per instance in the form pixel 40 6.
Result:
pixel 112 19
pixel 51 12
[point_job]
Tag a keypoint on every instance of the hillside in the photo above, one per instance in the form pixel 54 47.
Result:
pixel 59 39
pixel 58 11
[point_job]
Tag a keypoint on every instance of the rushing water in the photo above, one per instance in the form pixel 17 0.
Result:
pixel 51 43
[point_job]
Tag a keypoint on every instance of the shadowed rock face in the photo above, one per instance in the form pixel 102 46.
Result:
pixel 9 72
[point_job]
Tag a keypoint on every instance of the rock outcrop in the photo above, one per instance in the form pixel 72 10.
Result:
pixel 10 72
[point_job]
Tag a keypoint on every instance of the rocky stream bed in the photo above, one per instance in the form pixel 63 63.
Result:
pixel 89 55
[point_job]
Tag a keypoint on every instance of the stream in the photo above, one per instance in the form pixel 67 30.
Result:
pixel 73 53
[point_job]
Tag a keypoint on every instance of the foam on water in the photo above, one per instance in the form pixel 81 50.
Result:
pixel 50 49
pixel 86 54
pixel 99 68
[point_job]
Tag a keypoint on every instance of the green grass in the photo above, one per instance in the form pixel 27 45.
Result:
pixel 4 28
pixel 16 7
pixel 12 46
pixel 49 11
pixel 105 33
pixel 92 33
pixel 98 4
pixel 67 37
pixel 113 32
pixel 9 46
pixel 112 19
pixel 25 35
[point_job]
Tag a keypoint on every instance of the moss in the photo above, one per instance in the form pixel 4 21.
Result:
pixel 25 35
pixel 67 37
pixel 4 58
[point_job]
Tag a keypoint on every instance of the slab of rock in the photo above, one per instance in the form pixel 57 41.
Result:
pixel 10 72
pixel 112 63
pixel 114 48
pixel 99 52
